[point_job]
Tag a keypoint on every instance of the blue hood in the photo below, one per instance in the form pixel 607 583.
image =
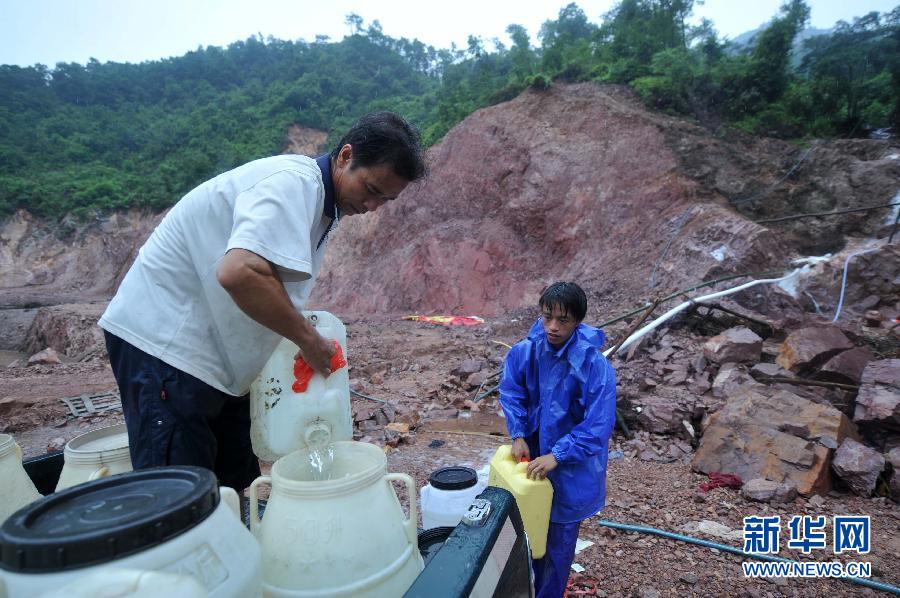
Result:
pixel 585 338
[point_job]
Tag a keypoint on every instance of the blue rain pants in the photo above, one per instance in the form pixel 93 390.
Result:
pixel 551 573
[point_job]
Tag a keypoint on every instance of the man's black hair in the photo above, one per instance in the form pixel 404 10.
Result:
pixel 385 138
pixel 568 296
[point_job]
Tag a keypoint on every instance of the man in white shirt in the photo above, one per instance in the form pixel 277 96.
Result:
pixel 224 277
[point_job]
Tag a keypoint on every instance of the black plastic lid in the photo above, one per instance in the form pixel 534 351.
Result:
pixel 436 535
pixel 453 478
pixel 106 519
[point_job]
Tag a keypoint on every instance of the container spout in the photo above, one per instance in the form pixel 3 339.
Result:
pixel 318 433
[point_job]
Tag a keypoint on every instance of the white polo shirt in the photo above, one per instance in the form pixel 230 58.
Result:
pixel 170 303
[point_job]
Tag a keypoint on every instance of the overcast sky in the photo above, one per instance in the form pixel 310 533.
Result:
pixel 51 31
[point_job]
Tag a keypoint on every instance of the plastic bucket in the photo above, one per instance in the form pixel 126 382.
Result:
pixel 168 519
pixel 17 489
pixel 345 536
pixel 129 583
pixel 447 496
pixel 95 454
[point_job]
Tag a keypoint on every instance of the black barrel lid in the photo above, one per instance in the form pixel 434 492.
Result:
pixel 436 535
pixel 453 478
pixel 106 519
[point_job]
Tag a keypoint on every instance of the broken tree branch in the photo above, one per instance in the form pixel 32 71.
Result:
pixel 634 327
pixel 814 214
pixel 362 396
pixel 480 386
pixel 804 382
pixel 736 314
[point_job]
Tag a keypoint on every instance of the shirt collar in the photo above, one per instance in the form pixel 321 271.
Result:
pixel 330 209
pixel 559 352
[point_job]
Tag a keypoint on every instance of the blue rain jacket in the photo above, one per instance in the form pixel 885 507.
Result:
pixel 563 401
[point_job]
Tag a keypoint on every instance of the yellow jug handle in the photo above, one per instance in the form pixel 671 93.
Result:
pixel 254 502
pixel 100 473
pixel 412 521
pixel 18 450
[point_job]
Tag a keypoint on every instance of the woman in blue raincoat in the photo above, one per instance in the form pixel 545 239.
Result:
pixel 558 394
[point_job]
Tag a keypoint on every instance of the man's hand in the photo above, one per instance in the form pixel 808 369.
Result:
pixel 520 449
pixel 317 352
pixel 540 467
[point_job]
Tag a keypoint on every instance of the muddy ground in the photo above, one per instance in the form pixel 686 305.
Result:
pixel 411 364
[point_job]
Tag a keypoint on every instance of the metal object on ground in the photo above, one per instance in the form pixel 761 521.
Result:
pixel 92 404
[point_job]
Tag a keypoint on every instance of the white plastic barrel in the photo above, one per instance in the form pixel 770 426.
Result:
pixel 16 488
pixel 95 454
pixel 345 536
pixel 169 519
pixel 283 420
pixel 130 583
pixel 447 496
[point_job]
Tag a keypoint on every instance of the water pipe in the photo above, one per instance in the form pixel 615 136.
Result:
pixel 678 308
pixel 706 283
pixel 876 585
pixel 837 312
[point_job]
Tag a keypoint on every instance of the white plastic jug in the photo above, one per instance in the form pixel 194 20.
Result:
pixel 167 519
pixel 346 536
pixel 284 421
pixel 130 583
pixel 16 488
pixel 95 454
pixel 447 496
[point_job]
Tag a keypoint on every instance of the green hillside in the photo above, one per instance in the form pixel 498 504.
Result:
pixel 86 138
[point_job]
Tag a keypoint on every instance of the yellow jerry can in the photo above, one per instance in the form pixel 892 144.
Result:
pixel 533 497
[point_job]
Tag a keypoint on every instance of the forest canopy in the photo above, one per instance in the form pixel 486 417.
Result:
pixel 86 139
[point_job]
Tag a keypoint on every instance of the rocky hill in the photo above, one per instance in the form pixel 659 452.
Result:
pixel 578 182
pixel 582 183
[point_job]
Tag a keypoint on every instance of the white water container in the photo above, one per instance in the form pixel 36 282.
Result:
pixel 345 536
pixel 167 519
pixel 284 421
pixel 95 454
pixel 130 583
pixel 447 496
pixel 16 488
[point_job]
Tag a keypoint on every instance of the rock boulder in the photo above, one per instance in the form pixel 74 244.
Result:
pixel 781 437
pixel 762 490
pixel 667 410
pixel 846 367
pixel 731 380
pixel 810 347
pixel 858 465
pixel 734 345
pixel 46 357
pixel 878 401
pixel 893 457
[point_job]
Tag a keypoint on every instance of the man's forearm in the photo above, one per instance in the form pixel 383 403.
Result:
pixel 256 288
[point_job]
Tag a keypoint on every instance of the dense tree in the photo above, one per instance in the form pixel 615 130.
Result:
pixel 81 138
pixel 850 72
